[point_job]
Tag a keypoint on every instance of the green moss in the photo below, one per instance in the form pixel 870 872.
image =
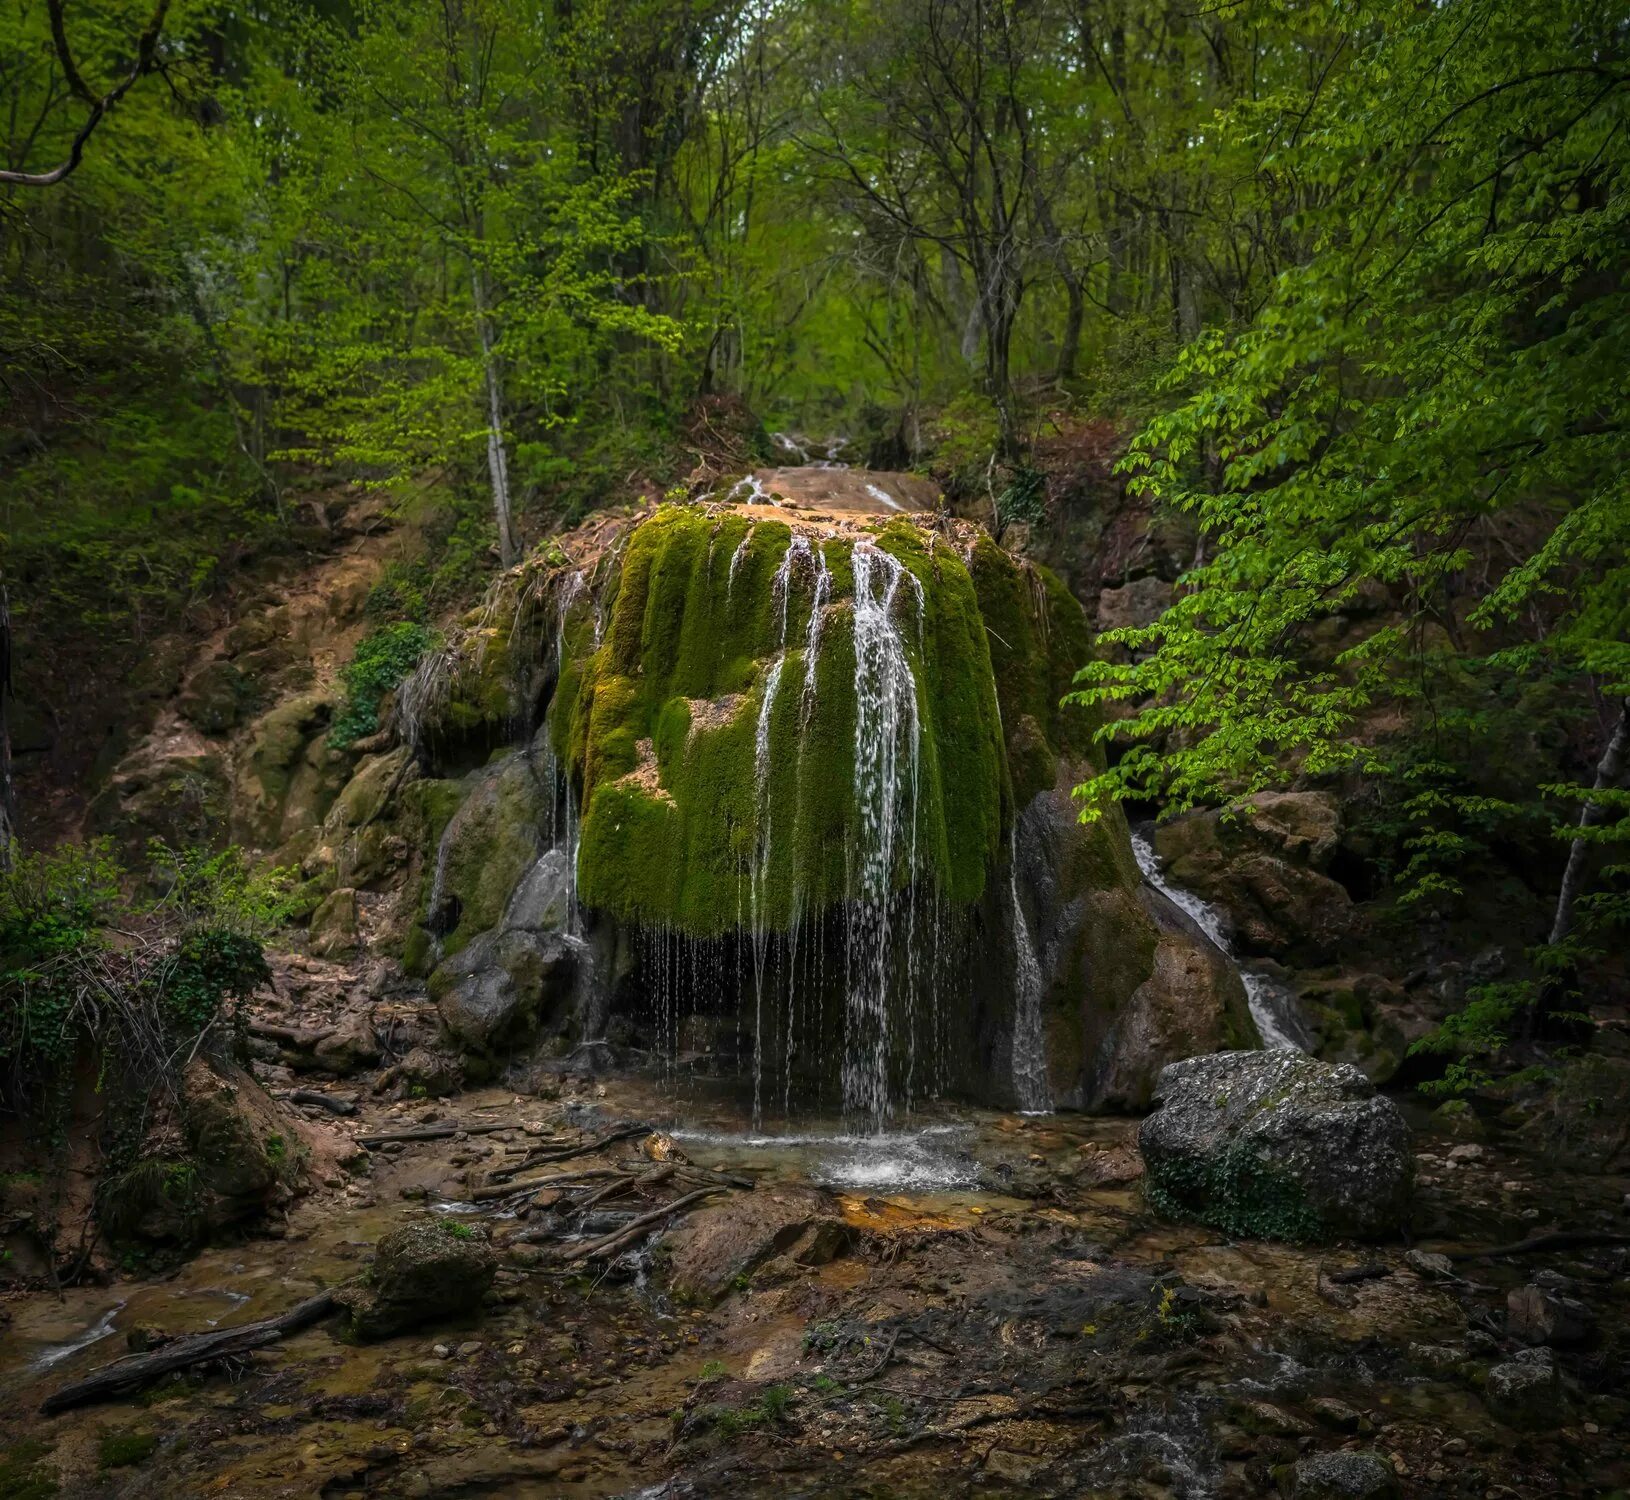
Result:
pixel 119 1450
pixel 22 1476
pixel 1038 639
pixel 659 725
pixel 1236 1192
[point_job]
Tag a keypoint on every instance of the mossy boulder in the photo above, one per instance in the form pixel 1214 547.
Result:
pixel 422 1273
pixel 479 853
pixel 217 698
pixel 180 798
pixel 1277 1145
pixel 288 773
pixel 333 931
pixel 723 630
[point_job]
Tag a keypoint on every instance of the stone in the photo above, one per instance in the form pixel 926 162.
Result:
pixel 353 1045
pixel 333 932
pixel 719 1246
pixel 1456 1118
pixel 1263 863
pixel 1277 1145
pixel 422 1273
pixel 425 1071
pixel 491 994
pixel 1343 1476
pixel 1540 1315
pixel 1134 604
pixel 1431 1265
pixel 1525 1393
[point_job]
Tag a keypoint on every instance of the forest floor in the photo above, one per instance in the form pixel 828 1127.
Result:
pixel 974 1305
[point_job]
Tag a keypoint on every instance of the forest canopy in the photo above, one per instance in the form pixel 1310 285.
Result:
pixel 1340 289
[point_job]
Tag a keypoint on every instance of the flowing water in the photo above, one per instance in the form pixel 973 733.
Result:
pixel 1273 1004
pixel 1030 1082
pixel 887 747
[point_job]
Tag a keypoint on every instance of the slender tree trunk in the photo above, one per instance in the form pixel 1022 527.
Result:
pixel 8 795
pixel 497 457
pixel 1608 770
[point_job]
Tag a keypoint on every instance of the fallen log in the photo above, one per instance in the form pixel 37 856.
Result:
pixel 180 1354
pixel 608 1243
pixel 431 1132
pixel 290 1036
pixel 493 1193
pixel 1556 1239
pixel 565 1153
pixel 336 1104
pixel 1372 1270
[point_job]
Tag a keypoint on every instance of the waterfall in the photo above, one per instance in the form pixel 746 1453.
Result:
pixel 569 591
pixel 735 563
pixel 887 744
pixel 1030 1083
pixel 1273 1005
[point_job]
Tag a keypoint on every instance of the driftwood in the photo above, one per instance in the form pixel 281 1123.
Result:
pixel 1556 1239
pixel 432 1132
pixel 336 1104
pixel 1372 1270
pixel 542 1154
pixel 180 1354
pixel 608 1244
pixel 494 1192
pixel 290 1036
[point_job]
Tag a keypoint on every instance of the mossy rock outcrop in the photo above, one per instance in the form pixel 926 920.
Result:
pixel 743 726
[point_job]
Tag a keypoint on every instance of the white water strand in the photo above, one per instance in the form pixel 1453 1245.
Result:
pixel 1030 1083
pixel 1273 1006
pixel 735 563
pixel 887 744
pixel 569 591
pixel 817 615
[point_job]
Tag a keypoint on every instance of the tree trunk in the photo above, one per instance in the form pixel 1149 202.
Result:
pixel 497 458
pixel 8 796
pixel 1608 770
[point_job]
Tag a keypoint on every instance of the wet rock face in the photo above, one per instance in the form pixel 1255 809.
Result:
pixel 1277 1145
pixel 422 1273
pixel 1265 866
pixel 723 1245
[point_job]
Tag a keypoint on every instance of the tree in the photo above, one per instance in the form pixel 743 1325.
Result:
pixel 1429 410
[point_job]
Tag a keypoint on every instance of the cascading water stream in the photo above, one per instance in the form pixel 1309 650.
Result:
pixel 1273 1006
pixel 1030 1082
pixel 569 591
pixel 887 747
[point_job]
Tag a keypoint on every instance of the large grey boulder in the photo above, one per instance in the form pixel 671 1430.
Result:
pixel 1277 1145
pixel 491 994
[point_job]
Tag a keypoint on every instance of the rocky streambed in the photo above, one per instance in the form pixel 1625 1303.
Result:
pixel 973 1304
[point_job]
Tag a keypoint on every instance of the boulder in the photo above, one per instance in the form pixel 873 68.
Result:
pixel 1133 605
pixel 1263 863
pixel 1526 1391
pixel 216 698
pixel 288 776
pixel 1343 1476
pixel 1277 1145
pixel 1129 983
pixel 1193 1002
pixel 422 1273
pixel 491 994
pixel 720 1246
pixel 334 924
pixel 352 1044
pixel 425 1072
pixel 1544 1315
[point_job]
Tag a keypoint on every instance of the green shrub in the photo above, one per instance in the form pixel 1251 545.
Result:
pixel 383 658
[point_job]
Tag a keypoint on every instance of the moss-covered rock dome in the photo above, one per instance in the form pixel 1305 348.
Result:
pixel 802 779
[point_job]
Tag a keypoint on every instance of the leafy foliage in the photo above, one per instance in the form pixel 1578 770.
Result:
pixel 382 659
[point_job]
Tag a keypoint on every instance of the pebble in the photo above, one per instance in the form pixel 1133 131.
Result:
pixel 469 1347
pixel 441 1351
pixel 1454 1448
pixel 1467 1151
